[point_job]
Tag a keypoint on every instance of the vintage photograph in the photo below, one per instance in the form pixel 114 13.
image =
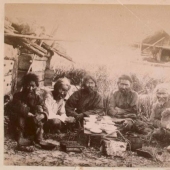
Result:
pixel 86 85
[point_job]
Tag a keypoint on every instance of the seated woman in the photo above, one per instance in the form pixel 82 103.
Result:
pixel 161 111
pixel 85 101
pixel 56 106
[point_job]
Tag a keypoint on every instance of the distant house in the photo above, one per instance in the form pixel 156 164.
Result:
pixel 157 46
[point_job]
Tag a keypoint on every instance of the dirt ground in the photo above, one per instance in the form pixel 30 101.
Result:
pixel 89 157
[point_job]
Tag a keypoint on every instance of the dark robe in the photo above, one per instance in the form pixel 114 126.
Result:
pixel 126 102
pixel 20 106
pixel 83 102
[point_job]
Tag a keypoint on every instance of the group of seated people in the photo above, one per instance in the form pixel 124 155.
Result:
pixel 33 115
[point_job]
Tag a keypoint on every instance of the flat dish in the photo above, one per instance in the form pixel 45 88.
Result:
pixel 87 119
pixel 88 127
pixel 94 130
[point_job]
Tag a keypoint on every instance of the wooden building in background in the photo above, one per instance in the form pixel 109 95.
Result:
pixel 157 46
pixel 27 53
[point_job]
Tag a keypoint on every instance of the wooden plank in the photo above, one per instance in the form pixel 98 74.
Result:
pixel 40 58
pixel 38 66
pixel 21 73
pixel 10 52
pixel 163 47
pixel 49 74
pixel 8 31
pixel 20 76
pixel 31 55
pixel 59 52
pixel 7 84
pixel 31 37
pixel 153 43
pixel 39 48
pixel 26 60
pixel 8 67
pixel 31 48
pixel 14 76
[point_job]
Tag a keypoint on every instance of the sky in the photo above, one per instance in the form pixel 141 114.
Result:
pixel 96 33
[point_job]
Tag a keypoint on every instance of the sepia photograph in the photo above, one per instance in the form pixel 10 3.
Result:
pixel 86 85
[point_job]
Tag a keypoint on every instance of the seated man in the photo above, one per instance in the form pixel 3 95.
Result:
pixel 28 112
pixel 123 104
pixel 161 111
pixel 56 106
pixel 85 101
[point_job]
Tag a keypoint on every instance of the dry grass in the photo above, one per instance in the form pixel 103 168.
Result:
pixel 145 78
pixel 144 82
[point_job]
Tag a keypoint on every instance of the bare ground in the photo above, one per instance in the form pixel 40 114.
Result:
pixel 89 157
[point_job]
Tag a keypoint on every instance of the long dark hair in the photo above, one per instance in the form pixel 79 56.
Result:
pixel 30 77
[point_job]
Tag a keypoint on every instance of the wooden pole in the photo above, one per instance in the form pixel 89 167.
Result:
pixel 33 49
pixel 31 37
pixel 150 45
pixel 39 53
pixel 153 43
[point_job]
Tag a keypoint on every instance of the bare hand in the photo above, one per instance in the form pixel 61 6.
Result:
pixel 39 117
pixel 30 114
pixel 127 123
pixel 70 119
pixel 40 109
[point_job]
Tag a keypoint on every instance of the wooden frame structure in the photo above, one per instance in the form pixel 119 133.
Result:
pixel 157 46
